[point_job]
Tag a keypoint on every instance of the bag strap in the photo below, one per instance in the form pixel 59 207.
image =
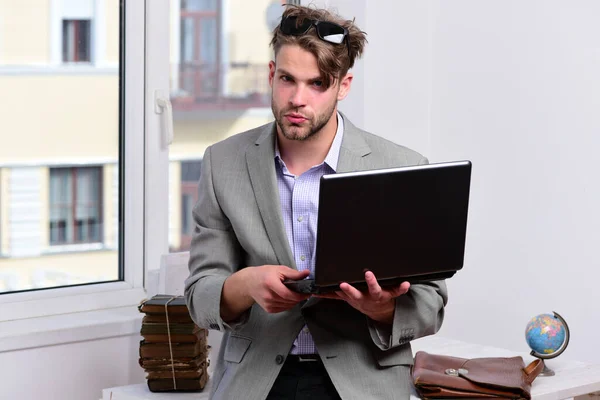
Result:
pixel 533 370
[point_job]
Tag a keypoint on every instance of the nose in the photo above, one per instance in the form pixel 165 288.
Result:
pixel 298 96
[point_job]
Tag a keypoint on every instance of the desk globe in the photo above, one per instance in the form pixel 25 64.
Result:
pixel 548 336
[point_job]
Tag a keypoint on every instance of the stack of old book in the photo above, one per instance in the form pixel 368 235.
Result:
pixel 174 350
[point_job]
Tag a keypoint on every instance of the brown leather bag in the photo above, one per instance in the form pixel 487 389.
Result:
pixel 436 376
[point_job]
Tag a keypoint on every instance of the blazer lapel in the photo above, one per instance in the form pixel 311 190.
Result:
pixel 260 159
pixel 353 149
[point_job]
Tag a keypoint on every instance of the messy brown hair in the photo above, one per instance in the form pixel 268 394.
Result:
pixel 334 60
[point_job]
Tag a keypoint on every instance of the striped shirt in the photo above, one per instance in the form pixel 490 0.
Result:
pixel 299 198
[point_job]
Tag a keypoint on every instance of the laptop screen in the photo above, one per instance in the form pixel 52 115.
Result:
pixel 398 222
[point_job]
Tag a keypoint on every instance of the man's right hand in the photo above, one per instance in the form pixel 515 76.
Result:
pixel 265 286
pixel 262 285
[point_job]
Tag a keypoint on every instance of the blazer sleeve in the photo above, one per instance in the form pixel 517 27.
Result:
pixel 215 254
pixel 418 313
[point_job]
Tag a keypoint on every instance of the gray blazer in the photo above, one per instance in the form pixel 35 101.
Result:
pixel 238 224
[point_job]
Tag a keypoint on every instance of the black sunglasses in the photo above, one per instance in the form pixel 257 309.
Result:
pixel 327 31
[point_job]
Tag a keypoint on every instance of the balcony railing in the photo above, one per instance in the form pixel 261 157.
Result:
pixel 205 86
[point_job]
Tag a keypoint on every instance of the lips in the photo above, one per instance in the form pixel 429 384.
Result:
pixel 295 118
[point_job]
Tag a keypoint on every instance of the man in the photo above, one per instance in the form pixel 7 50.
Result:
pixel 256 227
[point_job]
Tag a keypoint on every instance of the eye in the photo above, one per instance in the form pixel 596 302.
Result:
pixel 318 84
pixel 285 78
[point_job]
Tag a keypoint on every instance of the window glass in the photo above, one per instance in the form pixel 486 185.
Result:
pixel 219 87
pixel 59 177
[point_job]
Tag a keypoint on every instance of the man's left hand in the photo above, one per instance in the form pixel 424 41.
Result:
pixel 376 303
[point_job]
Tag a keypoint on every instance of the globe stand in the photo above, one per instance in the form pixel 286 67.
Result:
pixel 547 371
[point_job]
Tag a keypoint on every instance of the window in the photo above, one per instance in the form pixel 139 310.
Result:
pixel 217 68
pixel 219 87
pixel 74 185
pixel 76 40
pixel 200 48
pixel 75 205
pixel 190 176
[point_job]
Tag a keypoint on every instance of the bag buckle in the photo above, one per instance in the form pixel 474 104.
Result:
pixel 456 372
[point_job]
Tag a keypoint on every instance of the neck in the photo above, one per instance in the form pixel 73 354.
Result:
pixel 300 155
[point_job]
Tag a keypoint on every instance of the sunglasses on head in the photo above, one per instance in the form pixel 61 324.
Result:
pixel 327 31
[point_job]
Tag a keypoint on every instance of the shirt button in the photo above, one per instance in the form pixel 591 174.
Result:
pixel 305 329
pixel 300 218
pixel 302 258
pixel 279 359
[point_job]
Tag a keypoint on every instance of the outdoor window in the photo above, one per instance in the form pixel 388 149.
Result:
pixel 76 40
pixel 75 205
pixel 85 163
pixel 62 178
pixel 190 176
pixel 200 48
pixel 219 87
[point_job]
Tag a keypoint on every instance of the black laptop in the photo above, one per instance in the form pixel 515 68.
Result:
pixel 404 224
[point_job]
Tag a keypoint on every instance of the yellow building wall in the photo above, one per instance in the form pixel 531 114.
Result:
pixel 72 118
pixel 193 137
pixel 27 21
pixel 59 117
pixel 75 268
pixel 111 11
pixel 248 41
pixel 249 35
pixel 4 239
pixel 76 116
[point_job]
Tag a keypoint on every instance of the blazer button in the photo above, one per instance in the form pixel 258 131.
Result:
pixel 279 359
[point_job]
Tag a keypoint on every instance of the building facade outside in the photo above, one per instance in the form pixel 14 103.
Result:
pixel 59 161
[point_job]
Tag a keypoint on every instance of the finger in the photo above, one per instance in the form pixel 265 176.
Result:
pixel 275 300
pixel 374 289
pixel 286 295
pixel 400 290
pixel 343 296
pixel 295 275
pixel 351 291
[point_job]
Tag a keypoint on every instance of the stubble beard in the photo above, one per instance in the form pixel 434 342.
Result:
pixel 307 130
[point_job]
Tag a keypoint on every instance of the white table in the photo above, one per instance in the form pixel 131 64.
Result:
pixel 573 379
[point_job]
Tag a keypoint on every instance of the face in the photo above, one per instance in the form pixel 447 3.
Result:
pixel 300 103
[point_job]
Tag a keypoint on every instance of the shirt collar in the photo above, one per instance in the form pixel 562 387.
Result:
pixel 334 151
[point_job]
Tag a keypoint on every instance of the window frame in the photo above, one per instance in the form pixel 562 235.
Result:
pixel 142 206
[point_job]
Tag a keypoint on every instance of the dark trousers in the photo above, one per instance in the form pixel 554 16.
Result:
pixel 302 380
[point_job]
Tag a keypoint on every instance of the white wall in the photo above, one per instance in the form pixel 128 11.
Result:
pixel 514 87
pixel 398 72
pixel 390 89
pixel 71 371
pixel 353 105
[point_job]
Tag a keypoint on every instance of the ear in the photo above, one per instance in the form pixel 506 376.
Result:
pixel 271 72
pixel 345 84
